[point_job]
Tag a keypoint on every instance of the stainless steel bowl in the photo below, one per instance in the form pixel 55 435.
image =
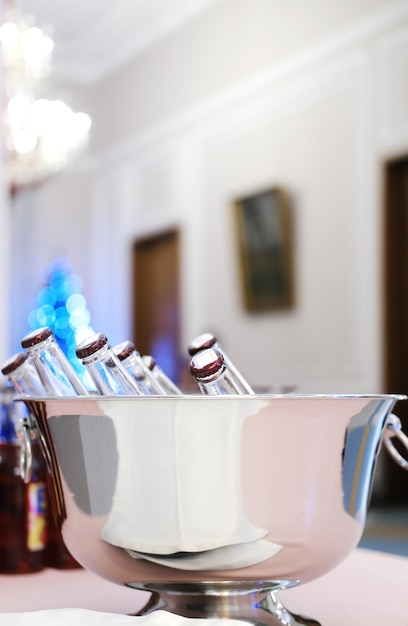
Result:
pixel 212 503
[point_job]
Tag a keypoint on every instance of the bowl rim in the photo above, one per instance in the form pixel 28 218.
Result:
pixel 223 398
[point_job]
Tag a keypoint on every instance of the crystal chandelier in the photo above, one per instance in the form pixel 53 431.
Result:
pixel 40 135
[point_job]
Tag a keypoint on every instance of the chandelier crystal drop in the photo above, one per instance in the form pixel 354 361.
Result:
pixel 40 135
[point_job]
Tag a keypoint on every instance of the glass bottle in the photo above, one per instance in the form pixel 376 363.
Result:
pixel 24 378
pixel 23 506
pixel 56 373
pixel 22 375
pixel 133 362
pixel 208 340
pixel 212 374
pixel 106 371
pixel 168 386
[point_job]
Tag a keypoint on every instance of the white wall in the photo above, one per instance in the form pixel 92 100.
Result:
pixel 4 275
pixel 319 118
pixel 4 253
pixel 49 222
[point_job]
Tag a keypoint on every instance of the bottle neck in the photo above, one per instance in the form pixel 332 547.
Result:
pixel 26 381
pixel 144 379
pixel 212 374
pixel 45 344
pixel 98 356
pixel 134 364
pixel 56 373
pixel 219 383
pixel 109 375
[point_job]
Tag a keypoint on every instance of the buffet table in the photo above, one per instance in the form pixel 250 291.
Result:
pixel 368 589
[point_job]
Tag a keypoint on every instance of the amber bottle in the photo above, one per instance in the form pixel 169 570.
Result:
pixel 23 506
pixel 24 378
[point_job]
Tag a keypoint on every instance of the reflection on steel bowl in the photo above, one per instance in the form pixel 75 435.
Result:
pixel 212 497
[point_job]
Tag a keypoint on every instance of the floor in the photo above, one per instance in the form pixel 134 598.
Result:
pixel 386 530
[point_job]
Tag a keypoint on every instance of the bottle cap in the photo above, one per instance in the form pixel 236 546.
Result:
pixel 202 342
pixel 92 344
pixel 13 363
pixel 36 337
pixel 149 361
pixel 206 363
pixel 124 350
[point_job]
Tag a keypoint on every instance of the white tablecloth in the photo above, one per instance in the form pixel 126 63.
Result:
pixel 368 589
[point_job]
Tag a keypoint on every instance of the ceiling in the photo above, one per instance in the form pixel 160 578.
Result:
pixel 94 37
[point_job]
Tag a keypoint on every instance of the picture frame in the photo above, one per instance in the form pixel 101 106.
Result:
pixel 265 245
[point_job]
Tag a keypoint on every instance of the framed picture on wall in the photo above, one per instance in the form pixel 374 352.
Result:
pixel 264 234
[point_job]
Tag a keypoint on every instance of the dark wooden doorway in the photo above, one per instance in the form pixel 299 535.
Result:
pixel 396 313
pixel 156 300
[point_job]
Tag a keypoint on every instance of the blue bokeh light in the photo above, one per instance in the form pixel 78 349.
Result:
pixel 61 306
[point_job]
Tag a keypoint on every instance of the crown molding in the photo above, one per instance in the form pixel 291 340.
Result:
pixel 123 32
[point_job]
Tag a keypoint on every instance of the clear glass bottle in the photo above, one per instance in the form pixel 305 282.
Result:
pixel 56 373
pixel 212 374
pixel 168 386
pixel 108 374
pixel 133 362
pixel 208 340
pixel 22 375
pixel 23 505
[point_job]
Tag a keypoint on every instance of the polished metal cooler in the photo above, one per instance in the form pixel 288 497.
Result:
pixel 213 504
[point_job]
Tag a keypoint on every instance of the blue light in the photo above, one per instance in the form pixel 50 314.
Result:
pixel 45 315
pixel 62 307
pixel 80 318
pixel 32 319
pixel 47 295
pixel 75 301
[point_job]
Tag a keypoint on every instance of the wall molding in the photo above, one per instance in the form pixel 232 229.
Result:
pixel 349 64
pixel 324 51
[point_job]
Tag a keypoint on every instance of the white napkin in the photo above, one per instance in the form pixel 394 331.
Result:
pixel 84 617
pixel 178 485
pixel 230 557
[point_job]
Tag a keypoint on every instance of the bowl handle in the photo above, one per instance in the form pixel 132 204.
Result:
pixel 393 428
pixel 25 429
pixel 26 452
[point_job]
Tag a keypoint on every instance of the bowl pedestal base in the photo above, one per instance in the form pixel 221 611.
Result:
pixel 256 604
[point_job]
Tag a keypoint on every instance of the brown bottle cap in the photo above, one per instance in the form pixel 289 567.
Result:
pixel 91 345
pixel 206 363
pixel 124 349
pixel 202 342
pixel 13 363
pixel 36 336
